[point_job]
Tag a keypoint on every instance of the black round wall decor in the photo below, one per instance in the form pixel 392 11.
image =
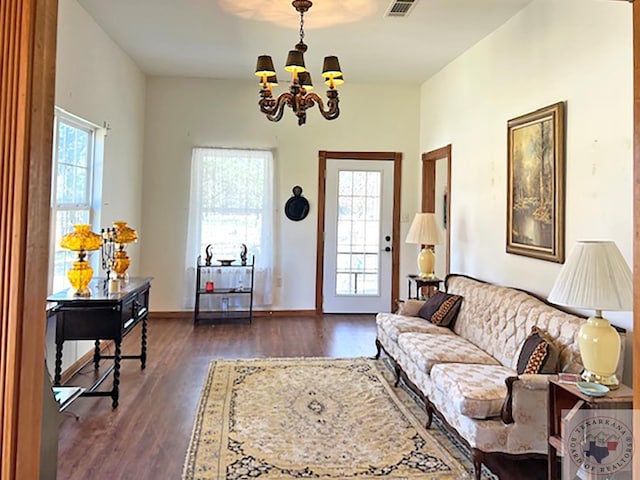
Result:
pixel 297 207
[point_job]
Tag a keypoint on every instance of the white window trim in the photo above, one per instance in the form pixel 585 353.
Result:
pixel 94 173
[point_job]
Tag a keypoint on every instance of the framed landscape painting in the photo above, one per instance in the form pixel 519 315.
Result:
pixel 535 189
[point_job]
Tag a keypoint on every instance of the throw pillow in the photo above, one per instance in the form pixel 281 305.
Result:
pixel 538 354
pixel 410 308
pixel 441 309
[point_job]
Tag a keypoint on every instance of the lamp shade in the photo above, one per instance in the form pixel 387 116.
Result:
pixel 271 80
pixel 304 78
pixel 295 62
pixel 331 67
pixel 124 233
pixel 424 230
pixel 264 66
pixel 595 276
pixel 335 81
pixel 81 239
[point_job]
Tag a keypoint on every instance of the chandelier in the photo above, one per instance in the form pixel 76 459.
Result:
pixel 299 96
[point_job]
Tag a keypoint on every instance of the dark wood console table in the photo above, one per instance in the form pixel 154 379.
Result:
pixel 102 316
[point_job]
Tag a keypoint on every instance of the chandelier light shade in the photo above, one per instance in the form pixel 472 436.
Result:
pixel 299 97
pixel 425 231
pixel 81 240
pixel 596 277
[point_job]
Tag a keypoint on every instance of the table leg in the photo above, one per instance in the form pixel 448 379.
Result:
pixel 115 393
pixel 552 464
pixel 96 355
pixel 58 367
pixel 143 353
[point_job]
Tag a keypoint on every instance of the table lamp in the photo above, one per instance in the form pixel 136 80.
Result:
pixel 596 276
pixel 425 231
pixel 81 240
pixel 123 235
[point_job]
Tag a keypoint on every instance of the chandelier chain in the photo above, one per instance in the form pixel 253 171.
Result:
pixel 302 27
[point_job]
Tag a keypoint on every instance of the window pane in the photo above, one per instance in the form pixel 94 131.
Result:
pixel 345 180
pixel 358 233
pixel 343 284
pixel 359 183
pixel 233 198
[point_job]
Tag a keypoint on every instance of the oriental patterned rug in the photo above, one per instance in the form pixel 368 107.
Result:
pixel 311 418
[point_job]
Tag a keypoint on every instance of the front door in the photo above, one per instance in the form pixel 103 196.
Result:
pixel 358 221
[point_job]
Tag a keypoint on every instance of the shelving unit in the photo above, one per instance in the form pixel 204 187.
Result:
pixel 231 298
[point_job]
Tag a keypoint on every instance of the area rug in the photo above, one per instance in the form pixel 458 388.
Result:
pixel 310 418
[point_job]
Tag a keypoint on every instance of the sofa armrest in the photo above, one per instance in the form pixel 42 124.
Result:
pixel 528 384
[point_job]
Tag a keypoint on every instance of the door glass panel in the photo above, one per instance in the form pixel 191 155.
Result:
pixel 358 233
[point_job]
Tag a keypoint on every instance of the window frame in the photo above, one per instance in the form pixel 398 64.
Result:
pixel 89 205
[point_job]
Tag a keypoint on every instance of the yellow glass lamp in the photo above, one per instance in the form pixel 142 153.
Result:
pixel 597 277
pixel 81 240
pixel 124 234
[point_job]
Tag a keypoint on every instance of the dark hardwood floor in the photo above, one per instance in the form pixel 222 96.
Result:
pixel 146 437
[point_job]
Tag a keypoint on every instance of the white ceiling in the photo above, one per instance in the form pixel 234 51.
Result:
pixel 222 38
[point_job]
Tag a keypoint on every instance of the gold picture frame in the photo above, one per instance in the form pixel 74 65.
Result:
pixel 535 184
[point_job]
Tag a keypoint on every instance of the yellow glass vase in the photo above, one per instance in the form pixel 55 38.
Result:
pixel 120 263
pixel 79 277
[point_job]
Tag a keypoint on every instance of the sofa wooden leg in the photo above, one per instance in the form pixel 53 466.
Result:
pixel 477 457
pixel 379 348
pixel 429 409
pixel 398 373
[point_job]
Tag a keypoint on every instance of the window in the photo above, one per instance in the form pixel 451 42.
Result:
pixel 72 189
pixel 231 204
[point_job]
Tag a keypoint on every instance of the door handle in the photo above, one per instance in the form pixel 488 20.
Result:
pixel 387 238
pixel 387 249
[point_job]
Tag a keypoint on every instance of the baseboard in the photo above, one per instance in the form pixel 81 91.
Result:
pixel 188 315
pixel 83 361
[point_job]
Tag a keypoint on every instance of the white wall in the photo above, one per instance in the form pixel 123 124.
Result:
pixel 183 113
pixel 98 82
pixel 578 51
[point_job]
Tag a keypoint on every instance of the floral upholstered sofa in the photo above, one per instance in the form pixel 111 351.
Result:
pixel 468 373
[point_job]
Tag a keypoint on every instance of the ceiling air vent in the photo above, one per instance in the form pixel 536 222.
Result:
pixel 400 8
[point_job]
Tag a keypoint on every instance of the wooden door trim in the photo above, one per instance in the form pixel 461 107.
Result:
pixel 27 77
pixel 396 157
pixel 429 191
pixel 636 216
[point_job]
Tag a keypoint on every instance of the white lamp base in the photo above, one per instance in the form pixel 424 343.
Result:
pixel 599 346
pixel 426 263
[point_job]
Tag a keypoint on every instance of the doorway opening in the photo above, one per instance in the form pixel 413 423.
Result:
pixel 436 198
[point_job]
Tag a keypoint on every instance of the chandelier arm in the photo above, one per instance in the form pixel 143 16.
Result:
pixel 333 110
pixel 274 109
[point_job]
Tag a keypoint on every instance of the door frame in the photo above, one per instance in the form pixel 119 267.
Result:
pixel 26 125
pixel 396 158
pixel 429 160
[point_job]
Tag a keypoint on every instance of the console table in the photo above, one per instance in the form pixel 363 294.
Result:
pixel 102 316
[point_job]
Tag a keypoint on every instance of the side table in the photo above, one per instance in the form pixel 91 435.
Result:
pixel 430 285
pixel 567 397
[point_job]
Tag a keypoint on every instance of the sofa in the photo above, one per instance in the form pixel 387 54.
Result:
pixel 467 373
